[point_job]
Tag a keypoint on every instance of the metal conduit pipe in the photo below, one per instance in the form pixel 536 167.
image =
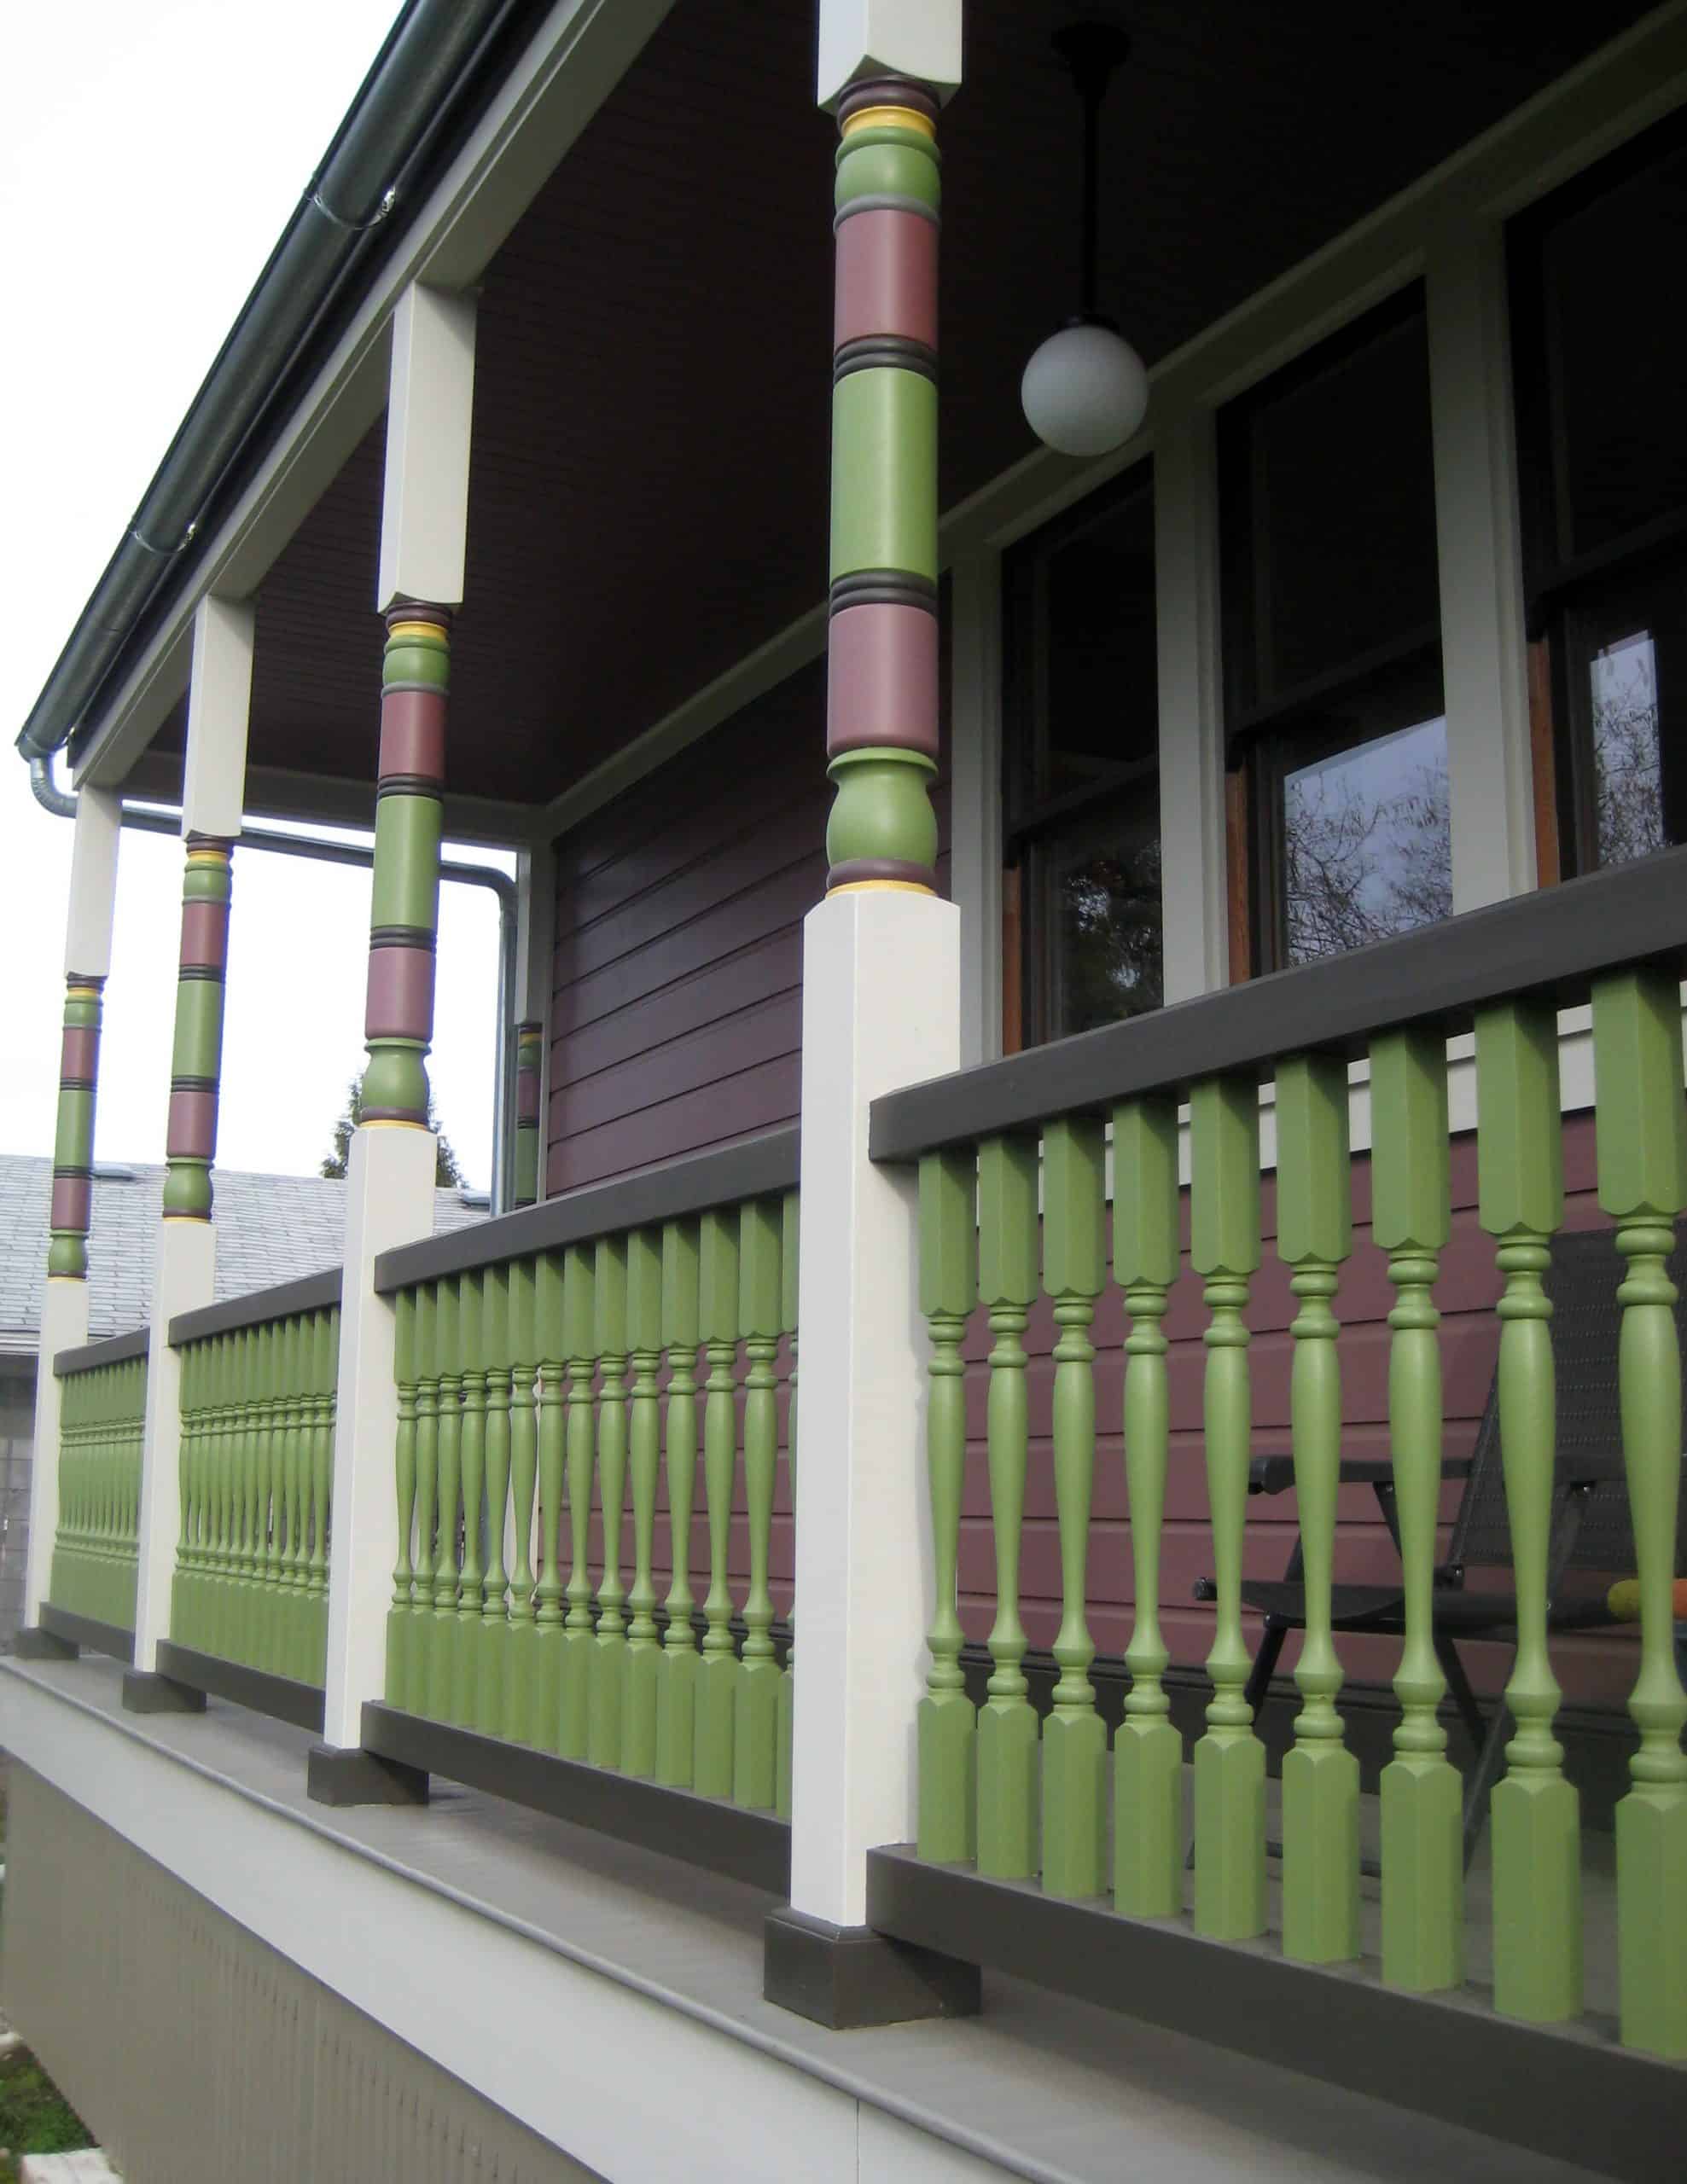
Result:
pixel 62 802
pixel 406 106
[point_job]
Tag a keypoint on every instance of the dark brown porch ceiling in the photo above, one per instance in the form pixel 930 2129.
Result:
pixel 649 493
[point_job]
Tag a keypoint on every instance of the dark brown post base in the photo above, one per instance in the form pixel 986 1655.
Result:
pixel 144 1693
pixel 846 1978
pixel 36 1644
pixel 346 1774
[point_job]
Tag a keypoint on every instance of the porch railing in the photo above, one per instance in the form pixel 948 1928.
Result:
pixel 256 1448
pixel 548 1374
pixel 102 1418
pixel 1013 1163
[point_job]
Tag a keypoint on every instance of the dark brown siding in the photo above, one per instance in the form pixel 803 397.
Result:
pixel 676 1008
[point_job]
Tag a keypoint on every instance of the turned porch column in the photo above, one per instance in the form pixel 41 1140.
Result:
pixel 64 1310
pixel 881 1009
pixel 213 790
pixel 389 1185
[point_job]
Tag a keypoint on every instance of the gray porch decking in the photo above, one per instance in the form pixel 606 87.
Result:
pixel 1038 2086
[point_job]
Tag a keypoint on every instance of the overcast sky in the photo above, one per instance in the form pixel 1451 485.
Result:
pixel 149 156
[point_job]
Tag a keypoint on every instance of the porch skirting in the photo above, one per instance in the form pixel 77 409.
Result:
pixel 196 2053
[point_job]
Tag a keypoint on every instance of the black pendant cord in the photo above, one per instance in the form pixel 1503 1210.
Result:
pixel 1091 51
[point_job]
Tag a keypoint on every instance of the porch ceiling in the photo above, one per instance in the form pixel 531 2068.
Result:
pixel 648 501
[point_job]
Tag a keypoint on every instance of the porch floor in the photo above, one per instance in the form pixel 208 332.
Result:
pixel 1038 2087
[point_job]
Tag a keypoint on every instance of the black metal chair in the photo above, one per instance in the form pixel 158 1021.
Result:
pixel 1591 1528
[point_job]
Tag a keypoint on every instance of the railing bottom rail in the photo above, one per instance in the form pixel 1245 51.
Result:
pixel 88 1631
pixel 1566 2091
pixel 722 1838
pixel 284 1697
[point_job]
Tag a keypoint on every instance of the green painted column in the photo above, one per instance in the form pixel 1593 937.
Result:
pixel 196 1057
pixel 544 1726
pixel 1230 1761
pixel 607 1674
pixel 1643 1185
pixel 1320 1775
pixel 645 1463
pixel 519 1667
pixel 465 1639
pixel 418 1629
pixel 791 1221
pixel 676 1725
pixel 1148 1750
pixel 1007 1792
pixel 718 1670
pixel 1534 1815
pixel 442 1624
pixel 948 1789
pixel 1420 1792
pixel 580 1337
pixel 490 1667
pixel 755 1701
pixel 72 1198
pixel 398 1619
pixel 1074 1737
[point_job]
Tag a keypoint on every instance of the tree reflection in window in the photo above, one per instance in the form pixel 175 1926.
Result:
pixel 1366 845
pixel 1107 954
pixel 1623 681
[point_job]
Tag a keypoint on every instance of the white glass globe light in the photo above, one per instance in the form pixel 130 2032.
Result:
pixel 1085 392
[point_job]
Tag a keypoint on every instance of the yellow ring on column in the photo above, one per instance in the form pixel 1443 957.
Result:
pixel 889 116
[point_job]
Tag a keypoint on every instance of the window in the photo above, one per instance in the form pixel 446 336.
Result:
pixel 1332 641
pixel 1603 448
pixel 1082 791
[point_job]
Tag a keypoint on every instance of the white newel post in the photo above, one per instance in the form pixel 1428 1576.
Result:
pixel 390 1172
pixel 213 790
pixel 64 1307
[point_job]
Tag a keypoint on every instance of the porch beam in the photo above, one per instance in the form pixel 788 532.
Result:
pixel 64 1309
pixel 213 787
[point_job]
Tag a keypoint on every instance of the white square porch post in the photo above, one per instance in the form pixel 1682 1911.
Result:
pixel 389 1183
pixel 64 1308
pixel 882 996
pixel 213 785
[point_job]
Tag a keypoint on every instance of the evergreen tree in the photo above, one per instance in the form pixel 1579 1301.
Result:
pixel 447 1172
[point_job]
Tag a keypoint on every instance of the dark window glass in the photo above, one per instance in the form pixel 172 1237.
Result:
pixel 1602 429
pixel 1332 641
pixel 1083 790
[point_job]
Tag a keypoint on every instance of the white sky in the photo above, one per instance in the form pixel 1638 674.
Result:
pixel 149 157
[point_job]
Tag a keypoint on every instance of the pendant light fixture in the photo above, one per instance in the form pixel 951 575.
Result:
pixel 1085 392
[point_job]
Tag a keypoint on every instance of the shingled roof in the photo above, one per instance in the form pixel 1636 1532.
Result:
pixel 270 1228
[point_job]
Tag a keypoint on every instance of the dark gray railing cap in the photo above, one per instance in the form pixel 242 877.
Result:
pixel 112 1350
pixel 310 1292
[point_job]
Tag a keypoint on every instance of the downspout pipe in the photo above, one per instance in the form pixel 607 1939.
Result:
pixel 407 102
pixel 162 821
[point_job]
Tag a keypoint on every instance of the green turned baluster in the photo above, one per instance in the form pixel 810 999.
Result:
pixel 489 1673
pixel 644 1443
pixel 268 1455
pixel 1074 1737
pixel 791 1224
pixel 220 1462
pixel 256 1454
pixel 466 1640
pixel 1320 1777
pixel 242 1444
pixel 516 1721
pixel 546 1720
pixel 1533 1813
pixel 718 1670
pixel 187 1390
pixel 1230 1761
pixel 608 1675
pixel 1421 1795
pixel 579 1336
pixel 321 1482
pixel 442 1624
pixel 677 1692
pixel 413 1692
pixel 1148 1751
pixel 291 1635
pixel 755 1702
pixel 1643 1186
pixel 948 1789
pixel 404 1467
pixel 199 1389
pixel 1007 1723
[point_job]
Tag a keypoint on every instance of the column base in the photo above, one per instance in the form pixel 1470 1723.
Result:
pixel 346 1774
pixel 846 1978
pixel 35 1644
pixel 147 1693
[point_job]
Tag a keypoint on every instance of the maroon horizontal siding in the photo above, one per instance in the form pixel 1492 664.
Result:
pixel 677 986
